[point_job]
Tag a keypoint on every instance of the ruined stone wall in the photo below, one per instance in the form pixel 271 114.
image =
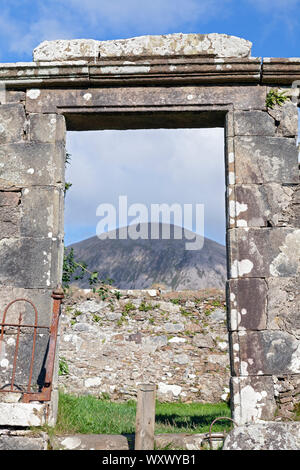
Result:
pixel 263 240
pixel 136 85
pixel 32 156
pixel 179 341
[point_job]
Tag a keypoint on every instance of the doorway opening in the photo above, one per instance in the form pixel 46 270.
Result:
pixel 159 315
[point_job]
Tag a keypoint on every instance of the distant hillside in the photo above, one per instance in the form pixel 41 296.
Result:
pixel 138 264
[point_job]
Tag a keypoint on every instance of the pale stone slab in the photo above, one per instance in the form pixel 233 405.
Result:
pixel 252 399
pixel 22 414
pixel 267 436
pixel 212 45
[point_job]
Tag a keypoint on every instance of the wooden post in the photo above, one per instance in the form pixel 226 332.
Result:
pixel 145 417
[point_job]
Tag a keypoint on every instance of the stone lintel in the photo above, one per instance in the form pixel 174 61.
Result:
pixel 178 44
pixel 283 71
pixel 113 71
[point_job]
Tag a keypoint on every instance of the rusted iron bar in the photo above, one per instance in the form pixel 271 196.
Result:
pixel 19 326
pixel 222 434
pixel 45 394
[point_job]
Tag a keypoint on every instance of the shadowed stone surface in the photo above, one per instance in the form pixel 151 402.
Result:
pixel 265 353
pixel 26 253
pixel 271 252
pixel 284 305
pixel 253 123
pixel 31 163
pixel 12 123
pixel 261 159
pixel 247 303
pixel 90 442
pixel 23 440
pixel 262 205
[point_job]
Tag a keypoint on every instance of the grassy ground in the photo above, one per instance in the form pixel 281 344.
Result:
pixel 88 415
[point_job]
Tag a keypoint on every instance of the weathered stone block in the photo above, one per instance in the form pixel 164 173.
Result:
pixel 12 123
pixel 31 163
pixel 271 252
pixel 50 100
pixel 10 214
pixel 292 211
pixel 213 44
pixel 42 212
pixel 30 263
pixel 23 414
pixel 253 123
pixel 267 436
pixel 90 442
pixel 23 440
pixel 15 96
pixel 284 305
pixel 247 302
pixel 287 119
pixel 9 198
pixel 262 159
pixel 41 298
pixel 265 353
pixel 47 128
pixel 230 166
pixel 229 124
pixel 23 359
pixel 252 399
pixel 261 205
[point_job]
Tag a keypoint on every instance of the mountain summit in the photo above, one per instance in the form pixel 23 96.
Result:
pixel 138 264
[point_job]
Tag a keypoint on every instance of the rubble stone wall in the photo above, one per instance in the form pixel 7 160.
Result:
pixel 178 341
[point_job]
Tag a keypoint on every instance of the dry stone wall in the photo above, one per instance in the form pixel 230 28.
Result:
pixel 178 341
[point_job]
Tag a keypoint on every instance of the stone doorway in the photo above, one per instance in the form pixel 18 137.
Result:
pixel 171 330
pixel 70 86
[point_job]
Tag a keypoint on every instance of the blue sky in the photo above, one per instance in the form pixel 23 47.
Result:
pixel 272 25
pixel 136 166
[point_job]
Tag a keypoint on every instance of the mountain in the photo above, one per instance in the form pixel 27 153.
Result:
pixel 138 264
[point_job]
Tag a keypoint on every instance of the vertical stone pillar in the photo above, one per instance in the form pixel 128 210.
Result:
pixel 263 239
pixel 32 163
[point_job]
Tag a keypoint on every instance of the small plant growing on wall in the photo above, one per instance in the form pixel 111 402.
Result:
pixel 76 270
pixel 276 97
pixel 63 367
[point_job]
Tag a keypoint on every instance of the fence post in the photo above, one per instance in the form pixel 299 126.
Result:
pixel 145 417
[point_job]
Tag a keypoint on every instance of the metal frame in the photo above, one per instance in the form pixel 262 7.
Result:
pixel 45 393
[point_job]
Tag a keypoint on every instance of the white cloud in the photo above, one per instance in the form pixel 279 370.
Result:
pixel 149 166
pixel 144 17
pixel 67 19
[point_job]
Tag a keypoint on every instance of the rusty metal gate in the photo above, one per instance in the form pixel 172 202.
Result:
pixel 28 395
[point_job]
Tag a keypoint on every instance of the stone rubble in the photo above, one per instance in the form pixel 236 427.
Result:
pixel 178 343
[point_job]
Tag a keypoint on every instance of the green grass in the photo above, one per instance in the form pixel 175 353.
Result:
pixel 89 415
